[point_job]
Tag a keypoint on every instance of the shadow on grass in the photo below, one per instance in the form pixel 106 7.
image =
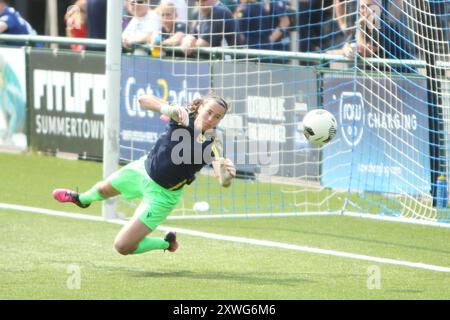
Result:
pixel 287 280
pixel 404 291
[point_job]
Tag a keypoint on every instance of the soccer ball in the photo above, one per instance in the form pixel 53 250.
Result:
pixel 319 126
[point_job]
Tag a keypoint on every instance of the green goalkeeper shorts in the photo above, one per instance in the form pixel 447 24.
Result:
pixel 133 181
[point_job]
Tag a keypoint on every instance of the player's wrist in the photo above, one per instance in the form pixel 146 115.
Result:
pixel 175 113
pixel 166 110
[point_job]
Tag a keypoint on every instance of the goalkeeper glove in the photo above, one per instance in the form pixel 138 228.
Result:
pixel 176 113
pixel 227 172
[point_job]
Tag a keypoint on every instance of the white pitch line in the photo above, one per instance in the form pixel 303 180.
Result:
pixel 50 212
pixel 272 244
pixel 263 243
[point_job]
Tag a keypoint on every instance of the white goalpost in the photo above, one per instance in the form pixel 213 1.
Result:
pixel 111 129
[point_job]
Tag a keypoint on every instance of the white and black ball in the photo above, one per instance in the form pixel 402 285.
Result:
pixel 319 126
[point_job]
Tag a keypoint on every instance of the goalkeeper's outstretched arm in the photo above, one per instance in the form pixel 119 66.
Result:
pixel 155 104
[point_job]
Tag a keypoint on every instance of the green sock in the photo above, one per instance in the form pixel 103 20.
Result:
pixel 148 244
pixel 90 196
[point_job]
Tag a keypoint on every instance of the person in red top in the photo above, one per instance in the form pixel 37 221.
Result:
pixel 76 26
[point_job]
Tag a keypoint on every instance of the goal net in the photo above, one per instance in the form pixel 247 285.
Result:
pixel 392 111
pixel 381 67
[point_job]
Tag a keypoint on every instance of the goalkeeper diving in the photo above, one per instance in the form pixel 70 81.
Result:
pixel 160 177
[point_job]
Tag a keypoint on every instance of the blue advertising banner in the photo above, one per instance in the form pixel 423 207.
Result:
pixel 175 82
pixel 382 140
pixel 262 129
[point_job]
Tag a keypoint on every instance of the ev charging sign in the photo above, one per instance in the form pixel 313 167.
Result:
pixel 382 139
pixel 352 117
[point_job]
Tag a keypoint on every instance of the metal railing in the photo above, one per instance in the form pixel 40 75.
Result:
pixel 237 52
pixel 29 39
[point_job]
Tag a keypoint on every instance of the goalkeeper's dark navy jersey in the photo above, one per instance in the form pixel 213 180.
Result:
pixel 178 155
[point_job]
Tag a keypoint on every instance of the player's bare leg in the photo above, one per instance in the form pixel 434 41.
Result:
pixel 128 239
pixel 132 239
pixel 106 190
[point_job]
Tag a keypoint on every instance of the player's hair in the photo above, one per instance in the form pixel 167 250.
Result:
pixel 197 103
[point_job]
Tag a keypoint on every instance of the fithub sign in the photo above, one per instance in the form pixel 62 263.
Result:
pixel 382 144
pixel 68 102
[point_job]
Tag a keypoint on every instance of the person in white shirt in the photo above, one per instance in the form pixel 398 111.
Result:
pixel 144 23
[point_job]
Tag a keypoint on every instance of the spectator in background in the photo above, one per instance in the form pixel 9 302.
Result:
pixel 126 18
pixel 215 27
pixel 318 29
pixel 34 12
pixel 384 33
pixel 276 24
pixel 346 14
pixel 381 33
pixel 144 24
pixel 96 11
pixel 360 41
pixel 76 23
pixel 172 32
pixel 308 25
pixel 251 16
pixel 12 23
pixel 182 10
pixel 395 38
pixel 231 4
